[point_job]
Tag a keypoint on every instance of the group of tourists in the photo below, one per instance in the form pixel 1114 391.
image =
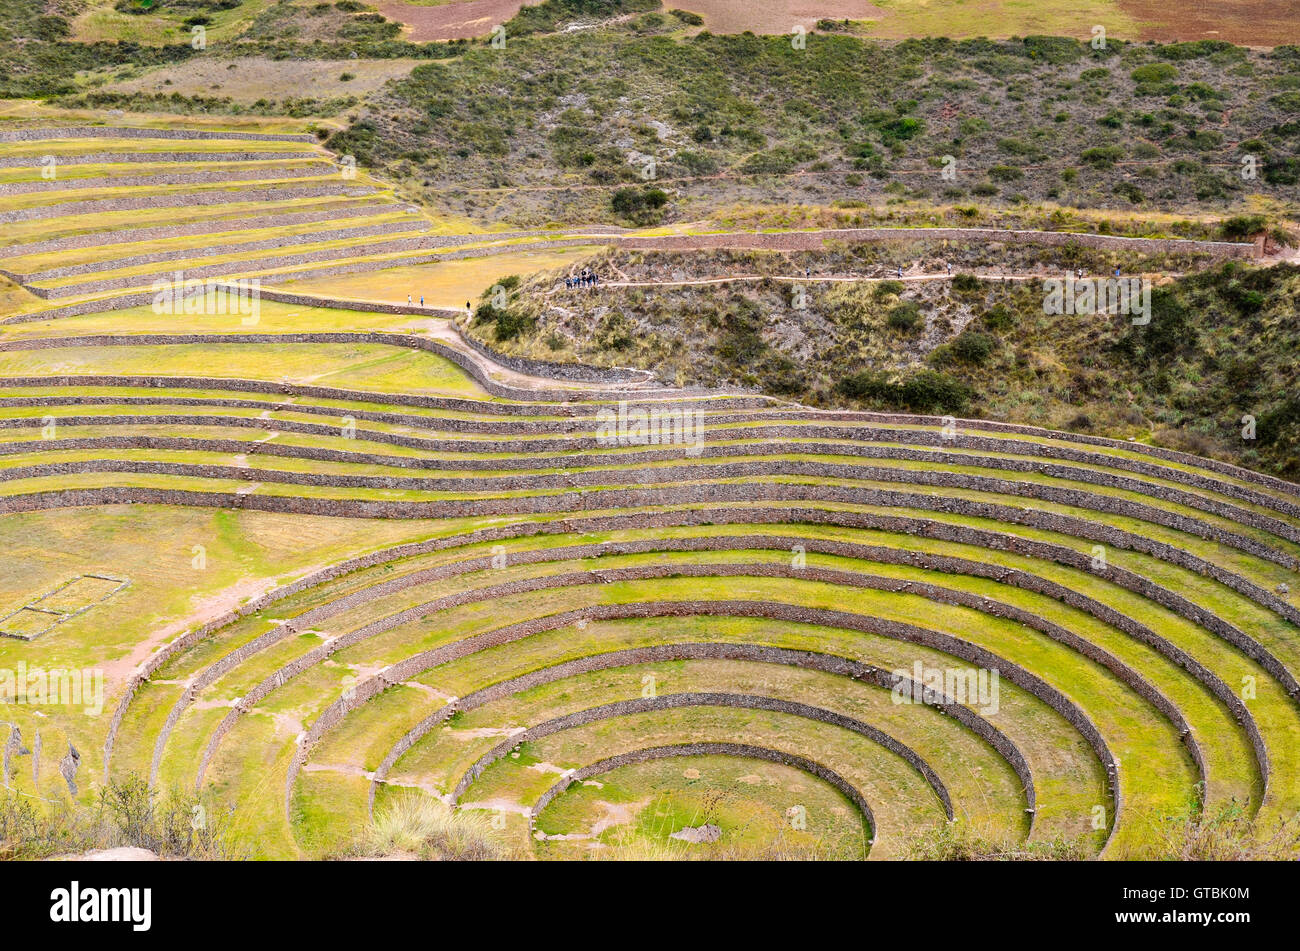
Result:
pixel 587 278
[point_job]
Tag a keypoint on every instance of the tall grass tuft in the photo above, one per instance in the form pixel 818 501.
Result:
pixel 420 825
pixel 1227 833
pixel 127 812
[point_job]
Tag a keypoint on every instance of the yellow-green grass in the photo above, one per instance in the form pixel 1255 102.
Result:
pixel 1133 729
pixel 376 367
pixel 1123 601
pixel 1069 781
pixel 238 262
pixel 15 298
pixel 276 317
pixel 222 217
pixel 1156 775
pixel 638 808
pixel 1178 622
pixel 1066 773
pixel 960 18
pixel 272 317
pixel 983 786
pixel 120 174
pixel 1209 719
pixel 898 796
pixel 39 148
pixel 244 553
pixel 31 109
pixel 609 460
pixel 442 283
pixel 1246 565
pixel 100 21
pixel 49 785
pixel 182 193
pixel 112 252
pixel 289 317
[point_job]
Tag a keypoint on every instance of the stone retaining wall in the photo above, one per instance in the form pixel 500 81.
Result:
pixel 443 572
pixel 677 701
pixel 936 593
pixel 361 267
pixel 753 653
pixel 527 450
pixel 152 158
pixel 252 174
pixel 543 454
pixel 410 341
pixel 815 240
pixel 891 419
pixel 711 495
pixel 220 197
pixel 576 403
pixel 702 471
pixel 944 531
pixel 209 226
pixel 226 268
pixel 742 750
pixel 413 666
pixel 179 254
pixel 135 132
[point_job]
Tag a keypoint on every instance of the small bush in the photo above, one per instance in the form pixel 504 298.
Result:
pixel 638 204
pixel 1154 73
pixel 1103 156
pixel 999 318
pixel 970 346
pixel 906 317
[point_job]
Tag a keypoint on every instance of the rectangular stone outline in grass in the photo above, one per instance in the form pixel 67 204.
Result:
pixel 58 616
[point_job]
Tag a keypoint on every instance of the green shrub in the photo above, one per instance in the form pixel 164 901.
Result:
pixel 1102 156
pixel 1154 73
pixel 927 391
pixel 970 346
pixel 999 318
pixel 638 204
pixel 1240 227
pixel 905 317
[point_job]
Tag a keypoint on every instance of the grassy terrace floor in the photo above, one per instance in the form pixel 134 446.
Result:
pixel 513 595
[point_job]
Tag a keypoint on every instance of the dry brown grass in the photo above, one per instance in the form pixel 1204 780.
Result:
pixel 251 78
pixel 457 20
pixel 1244 22
pixel 417 825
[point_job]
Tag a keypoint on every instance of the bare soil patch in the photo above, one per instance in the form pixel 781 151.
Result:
pixel 1244 22
pixel 459 20
pixel 248 79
